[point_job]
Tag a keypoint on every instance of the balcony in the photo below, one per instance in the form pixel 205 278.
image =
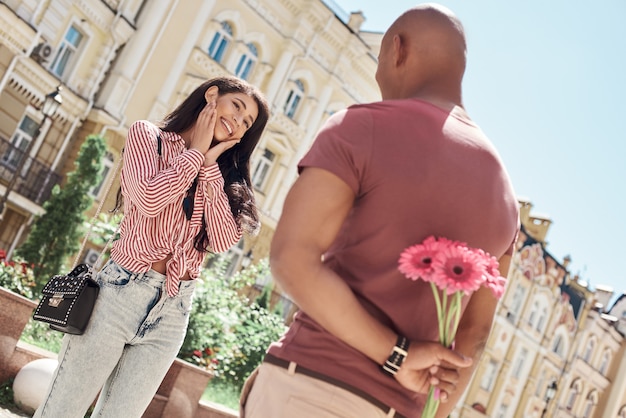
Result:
pixel 35 180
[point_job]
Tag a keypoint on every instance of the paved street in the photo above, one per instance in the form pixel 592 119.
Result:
pixel 5 413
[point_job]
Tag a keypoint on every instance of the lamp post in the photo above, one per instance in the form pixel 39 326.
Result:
pixel 550 392
pixel 50 105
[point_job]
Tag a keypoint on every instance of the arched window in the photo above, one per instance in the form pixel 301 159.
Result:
pixel 622 412
pixel 247 61
pixel 591 344
pixel 604 364
pixel 220 42
pixel 590 404
pixel 572 395
pixel 293 99
pixel 542 319
pixel 557 345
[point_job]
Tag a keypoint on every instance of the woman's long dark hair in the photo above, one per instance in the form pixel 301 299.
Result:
pixel 234 163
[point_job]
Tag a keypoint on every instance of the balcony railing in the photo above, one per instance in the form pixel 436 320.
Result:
pixel 35 180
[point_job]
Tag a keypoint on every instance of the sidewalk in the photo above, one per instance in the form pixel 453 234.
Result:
pixel 5 413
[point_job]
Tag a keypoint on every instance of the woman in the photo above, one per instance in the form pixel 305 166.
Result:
pixel 186 190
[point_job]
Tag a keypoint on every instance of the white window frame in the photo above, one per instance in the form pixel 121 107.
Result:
pixel 604 364
pixel 20 140
pixel 220 42
pixel 68 51
pixel 519 363
pixel 107 165
pixel 263 168
pixel 294 99
pixel 489 376
pixel 589 347
pixel 247 61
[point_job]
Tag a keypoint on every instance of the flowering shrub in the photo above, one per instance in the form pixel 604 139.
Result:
pixel 453 270
pixel 228 334
pixel 16 276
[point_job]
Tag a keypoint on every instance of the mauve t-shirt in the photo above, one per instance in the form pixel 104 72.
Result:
pixel 416 170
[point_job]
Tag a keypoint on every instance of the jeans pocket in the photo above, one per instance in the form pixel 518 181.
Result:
pixel 113 275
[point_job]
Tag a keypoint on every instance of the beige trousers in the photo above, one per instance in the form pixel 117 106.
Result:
pixel 274 392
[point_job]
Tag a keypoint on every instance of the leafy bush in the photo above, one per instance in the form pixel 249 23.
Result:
pixel 16 276
pixel 227 333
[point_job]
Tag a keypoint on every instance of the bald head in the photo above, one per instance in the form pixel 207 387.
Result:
pixel 423 52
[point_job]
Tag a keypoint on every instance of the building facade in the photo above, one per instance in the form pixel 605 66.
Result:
pixel 555 349
pixel 118 61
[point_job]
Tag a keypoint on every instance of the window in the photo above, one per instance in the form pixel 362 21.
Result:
pixel 589 350
pixel 263 167
pixel 228 261
pixel 489 376
pixel 293 99
pixel 246 62
pixel 622 412
pixel 519 363
pixel 533 313
pixel 25 133
pixel 558 345
pixel 502 411
pixel 590 404
pixel 540 383
pixel 572 395
pixel 604 364
pixel 220 42
pixel 542 319
pixel 67 51
pixel 516 303
pixel 107 165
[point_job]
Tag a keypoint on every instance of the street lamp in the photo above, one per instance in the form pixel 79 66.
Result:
pixel 50 105
pixel 550 392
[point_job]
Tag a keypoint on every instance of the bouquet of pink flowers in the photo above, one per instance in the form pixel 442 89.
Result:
pixel 453 269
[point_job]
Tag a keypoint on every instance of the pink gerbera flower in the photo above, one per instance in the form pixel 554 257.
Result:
pixel 416 261
pixel 457 268
pixel 496 285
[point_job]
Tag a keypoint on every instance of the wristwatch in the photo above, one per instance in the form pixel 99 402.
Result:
pixel 397 356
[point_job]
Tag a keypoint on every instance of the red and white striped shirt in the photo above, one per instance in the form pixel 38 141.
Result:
pixel 154 224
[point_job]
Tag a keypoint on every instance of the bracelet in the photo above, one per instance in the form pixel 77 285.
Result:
pixel 397 356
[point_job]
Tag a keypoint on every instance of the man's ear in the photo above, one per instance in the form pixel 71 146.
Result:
pixel 399 50
pixel 210 95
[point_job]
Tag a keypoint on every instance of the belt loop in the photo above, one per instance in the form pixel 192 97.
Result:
pixel 391 413
pixel 292 368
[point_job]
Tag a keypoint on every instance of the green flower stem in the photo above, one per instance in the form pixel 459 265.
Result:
pixel 456 308
pixel 431 405
pixel 440 318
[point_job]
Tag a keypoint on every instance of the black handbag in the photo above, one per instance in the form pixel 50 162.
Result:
pixel 67 301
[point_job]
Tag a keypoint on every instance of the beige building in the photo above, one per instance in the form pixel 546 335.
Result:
pixel 118 61
pixel 554 350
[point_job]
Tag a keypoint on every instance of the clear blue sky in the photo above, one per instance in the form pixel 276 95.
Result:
pixel 546 80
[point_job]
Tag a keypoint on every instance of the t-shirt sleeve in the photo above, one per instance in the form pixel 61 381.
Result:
pixel 343 147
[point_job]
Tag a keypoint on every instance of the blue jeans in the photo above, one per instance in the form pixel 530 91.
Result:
pixel 134 335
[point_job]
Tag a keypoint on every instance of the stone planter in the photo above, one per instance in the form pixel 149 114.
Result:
pixel 180 392
pixel 15 312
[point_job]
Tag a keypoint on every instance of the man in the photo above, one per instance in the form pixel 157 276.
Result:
pixel 379 178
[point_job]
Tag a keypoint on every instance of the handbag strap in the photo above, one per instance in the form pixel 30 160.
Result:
pixel 93 220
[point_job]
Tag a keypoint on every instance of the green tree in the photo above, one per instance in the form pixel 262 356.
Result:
pixel 56 234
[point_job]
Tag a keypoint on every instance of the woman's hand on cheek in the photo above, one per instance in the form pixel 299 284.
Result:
pixel 210 157
pixel 202 134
